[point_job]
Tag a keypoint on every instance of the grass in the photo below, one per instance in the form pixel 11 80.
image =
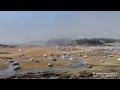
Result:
pixel 2 66
pixel 5 53
pixel 43 64
pixel 109 64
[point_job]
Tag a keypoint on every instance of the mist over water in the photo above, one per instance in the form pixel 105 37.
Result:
pixel 21 27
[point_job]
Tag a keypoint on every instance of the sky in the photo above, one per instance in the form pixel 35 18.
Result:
pixel 28 26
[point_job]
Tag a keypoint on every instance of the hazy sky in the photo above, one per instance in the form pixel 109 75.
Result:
pixel 27 26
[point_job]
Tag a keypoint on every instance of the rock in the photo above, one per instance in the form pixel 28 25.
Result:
pixel 64 54
pixel 85 56
pixel 50 58
pixel 65 57
pixel 90 54
pixel 50 65
pixel 15 63
pixel 31 59
pixel 54 59
pixel 68 54
pixel 102 61
pixel 20 50
pixel 44 55
pixel 110 55
pixel 104 56
pixel 118 59
pixel 58 55
pixel 51 54
pixel 22 54
pixel 36 61
pixel 89 66
pixel 17 67
pixel 71 59
pixel 10 61
pixel 79 55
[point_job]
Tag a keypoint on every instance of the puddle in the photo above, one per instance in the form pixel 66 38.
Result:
pixel 79 64
pixel 75 65
pixel 8 71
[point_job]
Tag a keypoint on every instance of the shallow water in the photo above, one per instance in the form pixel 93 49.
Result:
pixel 76 65
pixel 8 71
pixel 80 64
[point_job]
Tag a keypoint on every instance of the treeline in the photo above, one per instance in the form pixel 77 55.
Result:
pixel 95 41
pixel 4 46
pixel 84 41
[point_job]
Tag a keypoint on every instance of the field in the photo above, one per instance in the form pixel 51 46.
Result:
pixel 102 59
